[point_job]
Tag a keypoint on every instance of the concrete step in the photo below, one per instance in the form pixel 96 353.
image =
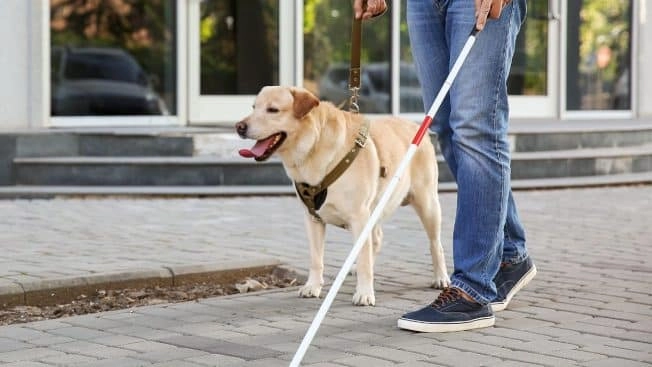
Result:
pixel 207 170
pixel 103 145
pixel 146 171
pixel 35 191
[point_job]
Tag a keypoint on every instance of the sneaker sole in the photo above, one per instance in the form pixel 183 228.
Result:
pixel 424 327
pixel 499 306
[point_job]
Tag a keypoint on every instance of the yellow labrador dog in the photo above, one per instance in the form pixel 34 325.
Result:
pixel 311 138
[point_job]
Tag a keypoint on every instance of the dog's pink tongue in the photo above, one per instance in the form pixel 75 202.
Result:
pixel 258 149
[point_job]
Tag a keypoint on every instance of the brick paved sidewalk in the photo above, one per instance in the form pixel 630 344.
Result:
pixel 590 305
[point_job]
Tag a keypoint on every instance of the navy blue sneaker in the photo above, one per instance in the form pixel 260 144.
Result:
pixel 449 312
pixel 510 279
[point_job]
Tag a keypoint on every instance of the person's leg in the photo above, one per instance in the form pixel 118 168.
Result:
pixel 430 49
pixel 478 147
pixel 514 250
pixel 479 121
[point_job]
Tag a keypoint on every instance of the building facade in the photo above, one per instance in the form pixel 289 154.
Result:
pixel 101 63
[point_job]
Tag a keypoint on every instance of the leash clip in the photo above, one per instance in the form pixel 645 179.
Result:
pixel 354 107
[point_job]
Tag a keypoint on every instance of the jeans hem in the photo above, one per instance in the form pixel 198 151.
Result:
pixel 516 259
pixel 470 291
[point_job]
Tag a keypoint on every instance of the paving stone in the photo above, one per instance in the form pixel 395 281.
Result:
pixel 68 359
pixel 50 340
pixel 466 358
pixel 92 350
pixel 545 360
pixel 79 333
pixel 27 354
pixel 216 360
pixel 176 364
pixel 20 333
pixel 26 364
pixel 114 362
pixel 610 362
pixel 7 345
pixel 117 340
pixel 142 332
pixel 170 353
pixel 363 361
pixel 215 346
pixel 624 353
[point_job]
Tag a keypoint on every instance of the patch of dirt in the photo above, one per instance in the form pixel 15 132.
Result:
pixel 108 300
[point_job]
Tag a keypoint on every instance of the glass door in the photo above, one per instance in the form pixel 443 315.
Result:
pixel 533 82
pixel 598 58
pixel 235 48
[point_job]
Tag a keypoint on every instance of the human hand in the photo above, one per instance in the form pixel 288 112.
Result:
pixel 374 8
pixel 488 8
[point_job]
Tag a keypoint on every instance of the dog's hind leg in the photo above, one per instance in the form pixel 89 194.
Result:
pixel 316 233
pixel 364 292
pixel 428 209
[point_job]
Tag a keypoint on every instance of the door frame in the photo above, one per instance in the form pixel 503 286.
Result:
pixel 224 110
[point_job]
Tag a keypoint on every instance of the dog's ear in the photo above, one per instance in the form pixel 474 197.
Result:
pixel 304 102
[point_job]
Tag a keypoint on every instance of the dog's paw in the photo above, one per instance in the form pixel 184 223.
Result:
pixel 364 299
pixel 310 291
pixel 440 281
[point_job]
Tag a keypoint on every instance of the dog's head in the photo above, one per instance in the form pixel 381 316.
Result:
pixel 278 114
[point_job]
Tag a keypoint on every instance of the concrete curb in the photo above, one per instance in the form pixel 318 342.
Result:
pixel 65 289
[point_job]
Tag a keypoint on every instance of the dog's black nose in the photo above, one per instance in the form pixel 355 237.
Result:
pixel 241 129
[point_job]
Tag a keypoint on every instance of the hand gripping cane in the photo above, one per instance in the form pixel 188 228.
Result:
pixel 375 215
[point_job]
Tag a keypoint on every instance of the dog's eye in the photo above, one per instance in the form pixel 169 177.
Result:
pixel 272 109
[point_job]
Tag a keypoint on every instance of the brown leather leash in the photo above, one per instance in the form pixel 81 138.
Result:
pixel 314 196
pixel 354 68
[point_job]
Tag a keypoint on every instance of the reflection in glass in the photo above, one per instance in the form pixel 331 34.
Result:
pixel 113 57
pixel 411 99
pixel 529 72
pixel 598 55
pixel 327 54
pixel 239 46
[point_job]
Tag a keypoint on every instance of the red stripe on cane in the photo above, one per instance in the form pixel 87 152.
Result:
pixel 422 130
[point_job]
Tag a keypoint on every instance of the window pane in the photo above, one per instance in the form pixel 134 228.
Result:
pixel 239 46
pixel 529 71
pixel 410 89
pixel 327 55
pixel 599 55
pixel 113 57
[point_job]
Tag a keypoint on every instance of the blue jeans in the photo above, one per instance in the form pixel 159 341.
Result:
pixel 471 127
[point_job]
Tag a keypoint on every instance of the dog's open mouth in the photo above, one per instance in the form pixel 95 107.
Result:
pixel 264 148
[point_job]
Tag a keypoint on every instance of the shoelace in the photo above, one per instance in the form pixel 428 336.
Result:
pixel 448 295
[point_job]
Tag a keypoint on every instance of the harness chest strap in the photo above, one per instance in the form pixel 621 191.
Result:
pixel 314 196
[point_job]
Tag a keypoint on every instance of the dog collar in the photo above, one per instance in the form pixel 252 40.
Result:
pixel 313 197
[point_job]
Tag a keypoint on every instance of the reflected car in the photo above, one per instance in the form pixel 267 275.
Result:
pixel 375 87
pixel 101 81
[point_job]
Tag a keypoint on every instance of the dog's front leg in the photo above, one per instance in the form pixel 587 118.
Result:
pixel 364 292
pixel 316 230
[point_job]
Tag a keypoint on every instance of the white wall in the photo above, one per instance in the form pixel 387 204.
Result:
pixel 21 74
pixel 644 59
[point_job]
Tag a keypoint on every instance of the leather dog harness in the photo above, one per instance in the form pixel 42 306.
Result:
pixel 314 196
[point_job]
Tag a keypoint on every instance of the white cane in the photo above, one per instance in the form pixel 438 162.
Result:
pixel 375 215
